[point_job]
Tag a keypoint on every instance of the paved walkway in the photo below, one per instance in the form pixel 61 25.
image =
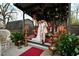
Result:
pixel 14 51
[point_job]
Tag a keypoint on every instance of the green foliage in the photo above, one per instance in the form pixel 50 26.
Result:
pixel 68 44
pixel 16 36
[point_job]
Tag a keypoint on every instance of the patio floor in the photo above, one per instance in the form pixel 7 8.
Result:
pixel 14 51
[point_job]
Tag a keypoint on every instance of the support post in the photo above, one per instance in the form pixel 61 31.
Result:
pixel 23 21
pixel 25 34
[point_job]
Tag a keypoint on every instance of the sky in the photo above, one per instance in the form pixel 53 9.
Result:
pixel 74 7
pixel 19 14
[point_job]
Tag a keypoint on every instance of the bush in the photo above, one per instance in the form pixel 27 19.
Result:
pixel 16 36
pixel 68 44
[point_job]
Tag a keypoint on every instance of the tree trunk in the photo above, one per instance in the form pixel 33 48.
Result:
pixel 4 20
pixel 76 14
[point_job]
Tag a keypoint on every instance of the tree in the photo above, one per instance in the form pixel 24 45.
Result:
pixel 74 14
pixel 6 11
pixel 77 10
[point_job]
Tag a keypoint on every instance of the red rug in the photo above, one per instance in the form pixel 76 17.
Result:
pixel 32 52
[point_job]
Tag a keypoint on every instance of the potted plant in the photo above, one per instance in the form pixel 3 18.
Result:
pixel 68 44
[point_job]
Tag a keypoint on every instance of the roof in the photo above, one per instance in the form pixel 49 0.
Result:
pixel 45 10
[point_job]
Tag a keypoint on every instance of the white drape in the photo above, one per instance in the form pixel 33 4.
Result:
pixel 41 32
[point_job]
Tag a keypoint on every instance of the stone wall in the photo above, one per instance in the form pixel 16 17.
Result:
pixel 15 26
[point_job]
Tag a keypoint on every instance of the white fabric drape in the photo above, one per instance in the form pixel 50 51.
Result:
pixel 42 30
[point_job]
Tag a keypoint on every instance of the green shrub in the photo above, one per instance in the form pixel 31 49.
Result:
pixel 68 44
pixel 16 36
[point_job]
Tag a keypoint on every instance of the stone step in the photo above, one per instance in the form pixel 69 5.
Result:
pixel 38 45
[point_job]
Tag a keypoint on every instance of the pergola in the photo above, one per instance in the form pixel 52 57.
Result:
pixel 47 11
pixel 56 12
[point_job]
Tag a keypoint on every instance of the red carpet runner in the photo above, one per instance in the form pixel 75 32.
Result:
pixel 32 52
